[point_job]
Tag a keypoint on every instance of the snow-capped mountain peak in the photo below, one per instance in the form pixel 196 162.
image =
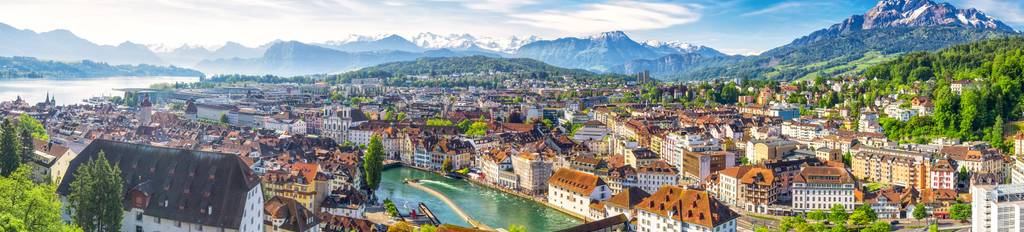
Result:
pixel 429 40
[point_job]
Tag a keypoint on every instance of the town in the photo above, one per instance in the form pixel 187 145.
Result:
pixel 630 155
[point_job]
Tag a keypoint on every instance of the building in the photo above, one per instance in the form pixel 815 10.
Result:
pixel 337 121
pixel 750 188
pixel 533 170
pixel 432 151
pixel 997 207
pixel 303 182
pixel 942 175
pixel 624 202
pixel 640 157
pixel 49 161
pixel 617 223
pixel 761 150
pixel 169 189
pixel 819 188
pixel 699 165
pixel 286 215
pixel 573 190
pixel 673 208
pixel 145 111
pixel 891 166
pixel 656 174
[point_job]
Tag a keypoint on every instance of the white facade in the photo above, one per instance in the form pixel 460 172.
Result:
pixel 252 219
pixel 652 222
pixel 997 208
pixel 809 197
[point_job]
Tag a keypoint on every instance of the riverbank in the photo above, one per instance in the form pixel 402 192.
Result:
pixel 539 200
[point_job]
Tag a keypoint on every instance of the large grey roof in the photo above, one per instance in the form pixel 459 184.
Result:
pixel 181 184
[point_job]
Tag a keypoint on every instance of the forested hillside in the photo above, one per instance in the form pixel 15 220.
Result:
pixel 994 70
pixel 27 67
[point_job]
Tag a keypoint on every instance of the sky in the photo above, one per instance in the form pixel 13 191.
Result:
pixel 731 26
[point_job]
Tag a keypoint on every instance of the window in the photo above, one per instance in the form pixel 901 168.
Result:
pixel 138 228
pixel 138 216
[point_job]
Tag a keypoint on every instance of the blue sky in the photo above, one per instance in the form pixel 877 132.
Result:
pixel 733 26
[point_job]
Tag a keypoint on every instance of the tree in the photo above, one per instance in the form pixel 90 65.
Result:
pixel 933 228
pixel 427 228
pixel 837 214
pixel 438 122
pixel 390 208
pixel 877 227
pixel 446 165
pixel 10 148
pixel 516 228
pixel 477 129
pixel 838 228
pixel 960 212
pixel 26 206
pixel 401 227
pixel 920 212
pixel 401 116
pixel 33 126
pixel 863 215
pixel 761 229
pixel 96 196
pixel 817 215
pixel 224 118
pixel 373 162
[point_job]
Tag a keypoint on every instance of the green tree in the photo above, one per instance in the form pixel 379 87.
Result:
pixel 438 122
pixel 96 196
pixel 761 229
pixel 863 215
pixel 33 126
pixel 373 163
pixel 960 212
pixel 401 227
pixel 446 165
pixel 920 212
pixel 26 206
pixel 933 228
pixel 224 119
pixel 995 136
pixel 817 215
pixel 427 228
pixel 837 214
pixel 401 116
pixel 877 227
pixel 477 129
pixel 516 228
pixel 390 208
pixel 839 228
pixel 10 148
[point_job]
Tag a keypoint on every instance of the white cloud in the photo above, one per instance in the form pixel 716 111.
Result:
pixel 618 15
pixel 493 5
pixel 776 8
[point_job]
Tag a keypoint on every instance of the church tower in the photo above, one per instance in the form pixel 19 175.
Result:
pixel 145 111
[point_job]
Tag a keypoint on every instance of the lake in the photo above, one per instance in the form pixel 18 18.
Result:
pixel 74 90
pixel 495 208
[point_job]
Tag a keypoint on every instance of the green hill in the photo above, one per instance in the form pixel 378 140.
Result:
pixel 28 67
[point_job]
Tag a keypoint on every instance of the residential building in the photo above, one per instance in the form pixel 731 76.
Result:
pixel 283 214
pixel 656 174
pixel 573 190
pixel 169 189
pixel 819 188
pixel 533 170
pixel 997 207
pixel 698 165
pixel 673 208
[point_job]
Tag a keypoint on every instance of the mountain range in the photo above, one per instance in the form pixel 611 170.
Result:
pixel 889 28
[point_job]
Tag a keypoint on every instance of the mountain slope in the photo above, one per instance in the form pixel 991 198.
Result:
pixel 66 46
pixel 392 42
pixel 433 66
pixel 27 67
pixel 604 52
pixel 295 58
pixel 891 27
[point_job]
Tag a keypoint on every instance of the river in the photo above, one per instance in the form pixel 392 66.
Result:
pixel 492 207
pixel 74 90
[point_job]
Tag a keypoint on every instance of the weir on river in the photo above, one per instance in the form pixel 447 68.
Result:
pixel 451 204
pixel 486 206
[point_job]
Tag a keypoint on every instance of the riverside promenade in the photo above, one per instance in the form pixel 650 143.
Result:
pixel 451 204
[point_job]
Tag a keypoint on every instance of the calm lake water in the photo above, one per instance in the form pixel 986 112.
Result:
pixel 74 90
pixel 494 208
